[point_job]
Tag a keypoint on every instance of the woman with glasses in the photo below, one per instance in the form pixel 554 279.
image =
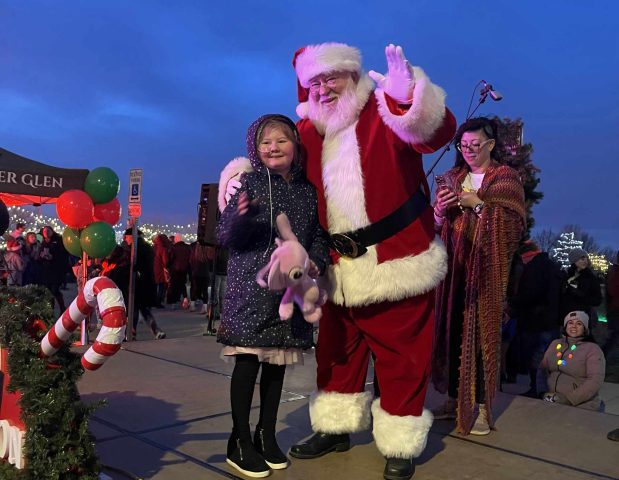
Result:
pixel 480 214
pixel 251 329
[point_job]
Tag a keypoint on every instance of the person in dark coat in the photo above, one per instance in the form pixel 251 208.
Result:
pixel 535 303
pixel 221 279
pixel 200 265
pixel 54 263
pixel 251 328
pixel 179 269
pixel 612 306
pixel 145 290
pixel 581 288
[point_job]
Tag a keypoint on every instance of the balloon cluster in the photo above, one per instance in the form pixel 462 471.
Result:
pixel 89 214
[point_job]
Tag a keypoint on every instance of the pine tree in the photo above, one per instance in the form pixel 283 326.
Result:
pixel 517 155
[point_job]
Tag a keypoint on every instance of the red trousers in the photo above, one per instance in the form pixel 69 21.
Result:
pixel 400 334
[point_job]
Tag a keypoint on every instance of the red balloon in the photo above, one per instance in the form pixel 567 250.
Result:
pixel 108 212
pixel 75 208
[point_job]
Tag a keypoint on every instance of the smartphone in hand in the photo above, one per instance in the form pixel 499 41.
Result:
pixel 441 183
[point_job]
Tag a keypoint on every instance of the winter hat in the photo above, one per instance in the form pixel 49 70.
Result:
pixel 325 58
pixel 322 58
pixel 178 238
pixel 577 315
pixel 13 245
pixel 576 254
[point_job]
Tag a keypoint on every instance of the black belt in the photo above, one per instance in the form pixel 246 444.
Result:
pixel 354 244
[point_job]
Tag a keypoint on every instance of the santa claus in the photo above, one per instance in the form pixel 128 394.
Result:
pixel 364 136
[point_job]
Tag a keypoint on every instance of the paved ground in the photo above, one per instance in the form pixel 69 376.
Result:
pixel 167 417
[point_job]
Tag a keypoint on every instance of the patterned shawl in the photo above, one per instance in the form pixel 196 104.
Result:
pixel 480 252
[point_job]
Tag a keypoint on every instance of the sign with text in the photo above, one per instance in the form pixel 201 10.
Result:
pixel 135 185
pixel 135 210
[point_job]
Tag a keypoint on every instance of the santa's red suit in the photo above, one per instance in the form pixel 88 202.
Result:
pixel 382 300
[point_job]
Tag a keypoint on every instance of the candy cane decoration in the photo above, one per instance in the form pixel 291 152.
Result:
pixel 99 291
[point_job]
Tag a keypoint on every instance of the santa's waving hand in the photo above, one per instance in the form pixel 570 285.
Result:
pixel 399 81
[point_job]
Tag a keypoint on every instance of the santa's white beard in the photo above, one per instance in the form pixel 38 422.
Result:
pixel 333 118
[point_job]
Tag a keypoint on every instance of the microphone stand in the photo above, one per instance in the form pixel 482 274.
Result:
pixel 483 95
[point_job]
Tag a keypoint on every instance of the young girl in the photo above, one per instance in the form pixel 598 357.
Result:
pixel 251 329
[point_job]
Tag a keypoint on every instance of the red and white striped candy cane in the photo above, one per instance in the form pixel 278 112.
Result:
pixel 99 291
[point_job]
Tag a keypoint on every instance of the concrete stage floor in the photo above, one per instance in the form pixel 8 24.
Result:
pixel 168 417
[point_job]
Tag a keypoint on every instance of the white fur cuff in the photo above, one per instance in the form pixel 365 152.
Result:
pixel 400 437
pixel 425 115
pixel 337 413
pixel 235 166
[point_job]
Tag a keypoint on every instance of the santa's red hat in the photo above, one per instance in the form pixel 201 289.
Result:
pixel 323 58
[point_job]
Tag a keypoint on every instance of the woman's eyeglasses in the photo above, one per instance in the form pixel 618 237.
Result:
pixel 472 147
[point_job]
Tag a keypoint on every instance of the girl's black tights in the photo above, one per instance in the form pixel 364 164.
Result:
pixel 242 389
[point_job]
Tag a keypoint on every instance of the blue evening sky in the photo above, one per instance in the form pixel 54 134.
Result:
pixel 171 86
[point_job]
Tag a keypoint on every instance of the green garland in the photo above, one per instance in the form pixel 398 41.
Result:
pixel 58 445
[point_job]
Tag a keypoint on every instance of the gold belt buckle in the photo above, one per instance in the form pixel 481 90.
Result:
pixel 346 246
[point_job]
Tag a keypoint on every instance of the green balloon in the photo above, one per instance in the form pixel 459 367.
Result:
pixel 98 239
pixel 71 241
pixel 102 185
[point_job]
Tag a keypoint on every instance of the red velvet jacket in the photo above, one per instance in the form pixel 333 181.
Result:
pixel 366 171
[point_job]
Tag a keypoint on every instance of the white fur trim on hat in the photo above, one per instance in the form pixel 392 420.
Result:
pixel 400 436
pixel 325 58
pixel 425 115
pixel 337 413
pixel 235 167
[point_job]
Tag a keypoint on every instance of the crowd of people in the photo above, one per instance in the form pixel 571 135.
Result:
pixel 501 305
pixel 37 258
pixel 163 271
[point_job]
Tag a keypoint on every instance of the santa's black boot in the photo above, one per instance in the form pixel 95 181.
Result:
pixel 320 444
pixel 399 468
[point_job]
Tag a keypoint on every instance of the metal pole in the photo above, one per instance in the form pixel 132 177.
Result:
pixel 84 323
pixel 134 255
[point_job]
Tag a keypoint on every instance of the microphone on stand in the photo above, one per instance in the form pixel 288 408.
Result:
pixel 489 90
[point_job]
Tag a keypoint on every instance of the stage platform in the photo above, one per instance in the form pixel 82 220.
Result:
pixel 168 417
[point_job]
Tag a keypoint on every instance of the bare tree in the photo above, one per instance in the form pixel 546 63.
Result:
pixel 610 254
pixel 545 239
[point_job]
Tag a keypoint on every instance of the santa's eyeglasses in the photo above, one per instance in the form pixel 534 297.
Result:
pixel 330 82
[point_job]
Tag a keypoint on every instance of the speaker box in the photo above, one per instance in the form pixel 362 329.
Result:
pixel 208 214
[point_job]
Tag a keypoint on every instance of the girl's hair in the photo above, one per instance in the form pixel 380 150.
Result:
pixel 489 129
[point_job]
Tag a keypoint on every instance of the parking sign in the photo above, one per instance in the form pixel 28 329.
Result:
pixel 135 185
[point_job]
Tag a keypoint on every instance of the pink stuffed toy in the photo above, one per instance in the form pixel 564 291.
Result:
pixel 288 269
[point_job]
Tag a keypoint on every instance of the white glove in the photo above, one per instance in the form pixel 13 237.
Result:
pixel 232 186
pixel 398 82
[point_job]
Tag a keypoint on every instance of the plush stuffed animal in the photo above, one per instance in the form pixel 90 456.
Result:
pixel 288 269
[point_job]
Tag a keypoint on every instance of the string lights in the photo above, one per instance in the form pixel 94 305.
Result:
pixel 599 263
pixel 35 222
